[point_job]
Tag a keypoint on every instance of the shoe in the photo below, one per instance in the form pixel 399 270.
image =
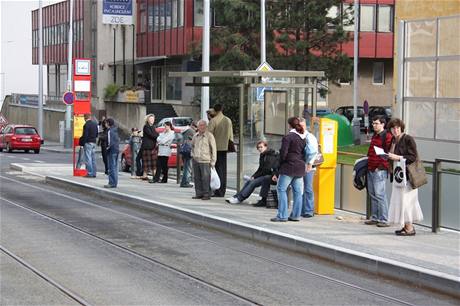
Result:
pixel 153 181
pixel 276 219
pixel 90 176
pixel 382 224
pixel 307 216
pixel 215 195
pixel 294 219
pixel 109 186
pixel 261 203
pixel 163 182
pixel 399 231
pixel 403 232
pixel 371 222
pixel 206 198
pixel 144 178
pixel 197 197
pixel 232 200
pixel 186 186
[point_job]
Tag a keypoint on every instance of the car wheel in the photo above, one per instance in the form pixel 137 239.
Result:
pixel 37 151
pixel 27 151
pixel 8 148
pixel 1 149
pixel 124 165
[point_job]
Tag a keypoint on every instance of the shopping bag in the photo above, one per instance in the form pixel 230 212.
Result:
pixel 399 173
pixel 215 180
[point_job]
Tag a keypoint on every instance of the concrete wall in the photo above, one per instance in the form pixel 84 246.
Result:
pixel 374 94
pixel 22 114
pixel 126 115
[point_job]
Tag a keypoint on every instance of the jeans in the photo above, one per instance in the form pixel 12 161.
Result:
pixel 112 160
pixel 187 174
pixel 134 151
pixel 376 182
pixel 297 185
pixel 90 158
pixel 308 200
pixel 202 177
pixel 250 185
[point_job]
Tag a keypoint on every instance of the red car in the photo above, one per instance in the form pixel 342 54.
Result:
pixel 20 137
pixel 126 158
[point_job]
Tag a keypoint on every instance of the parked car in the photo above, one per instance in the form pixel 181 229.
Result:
pixel 179 123
pixel 20 137
pixel 347 111
pixel 126 158
pixel 321 112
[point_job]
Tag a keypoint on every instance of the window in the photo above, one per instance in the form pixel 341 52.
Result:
pixel 378 74
pixel 198 13
pixel 151 19
pixel 385 18
pixel 367 18
pixel 168 14
pixel 62 79
pixel 52 80
pixel 143 21
pixel 174 85
pixel 156 83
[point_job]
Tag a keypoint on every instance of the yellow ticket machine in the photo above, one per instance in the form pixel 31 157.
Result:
pixel 324 180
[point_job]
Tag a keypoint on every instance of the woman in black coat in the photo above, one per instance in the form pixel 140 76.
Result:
pixel 148 147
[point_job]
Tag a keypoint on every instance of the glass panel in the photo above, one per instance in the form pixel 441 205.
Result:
pixel 385 19
pixel 174 86
pixel 425 195
pixel 421 38
pixel 63 78
pixel 174 14
pixel 198 13
pixel 347 17
pixel 156 83
pixel 378 73
pixel 52 80
pixel 367 18
pixel 413 112
pixel 449 38
pixel 168 12
pixel 420 79
pixel 448 121
pixel 449 79
pixel 449 199
pixel 156 18
pixel 180 13
pixel 352 198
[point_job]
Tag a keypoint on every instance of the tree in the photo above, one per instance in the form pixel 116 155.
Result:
pixel 308 34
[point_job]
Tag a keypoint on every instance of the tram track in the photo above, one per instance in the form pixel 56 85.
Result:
pixel 215 243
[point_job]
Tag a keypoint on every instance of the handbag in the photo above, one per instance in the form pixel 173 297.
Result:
pixel 185 150
pixel 231 146
pixel 417 174
pixel 319 157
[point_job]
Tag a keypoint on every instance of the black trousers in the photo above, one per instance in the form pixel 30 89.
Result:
pixel 104 158
pixel 139 168
pixel 221 168
pixel 162 168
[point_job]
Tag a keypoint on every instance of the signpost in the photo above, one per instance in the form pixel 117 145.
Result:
pixel 117 12
pixel 68 98
pixel 81 99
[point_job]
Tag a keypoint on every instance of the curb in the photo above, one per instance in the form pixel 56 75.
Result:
pixel 430 279
pixel 66 151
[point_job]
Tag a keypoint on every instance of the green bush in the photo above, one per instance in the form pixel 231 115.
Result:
pixel 111 91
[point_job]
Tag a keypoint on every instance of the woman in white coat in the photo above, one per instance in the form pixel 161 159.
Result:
pixel 164 142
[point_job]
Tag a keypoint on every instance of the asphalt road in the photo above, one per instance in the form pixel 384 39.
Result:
pixel 59 247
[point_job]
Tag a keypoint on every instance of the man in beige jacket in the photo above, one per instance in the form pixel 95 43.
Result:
pixel 222 128
pixel 204 156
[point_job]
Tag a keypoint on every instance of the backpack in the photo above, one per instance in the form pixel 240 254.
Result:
pixel 360 173
pixel 185 150
pixel 383 136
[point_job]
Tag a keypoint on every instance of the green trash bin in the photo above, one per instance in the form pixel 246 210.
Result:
pixel 345 134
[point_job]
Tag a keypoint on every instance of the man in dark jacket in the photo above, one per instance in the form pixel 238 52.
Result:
pixel 113 143
pixel 102 141
pixel 88 142
pixel 268 166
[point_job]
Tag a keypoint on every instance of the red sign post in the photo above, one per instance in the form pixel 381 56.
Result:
pixel 81 106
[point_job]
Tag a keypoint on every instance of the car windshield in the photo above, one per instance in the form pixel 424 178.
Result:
pixel 25 131
pixel 182 121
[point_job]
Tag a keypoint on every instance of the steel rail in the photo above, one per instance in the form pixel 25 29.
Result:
pixel 330 279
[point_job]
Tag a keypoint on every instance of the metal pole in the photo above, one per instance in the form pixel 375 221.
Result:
pixel 263 58
pixel 205 59
pixel 400 53
pixel 435 198
pixel 68 109
pixel 114 64
pixel 123 35
pixel 356 131
pixel 40 71
pixel 134 37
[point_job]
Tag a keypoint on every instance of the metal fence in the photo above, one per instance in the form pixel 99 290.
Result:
pixel 439 199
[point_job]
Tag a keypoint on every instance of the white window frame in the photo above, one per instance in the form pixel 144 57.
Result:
pixel 383 73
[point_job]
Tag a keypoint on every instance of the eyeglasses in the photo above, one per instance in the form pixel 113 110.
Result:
pixel 376 123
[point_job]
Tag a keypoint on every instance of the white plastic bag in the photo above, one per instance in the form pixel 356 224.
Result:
pixel 215 180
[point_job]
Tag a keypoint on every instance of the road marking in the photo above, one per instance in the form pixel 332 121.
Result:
pixel 39 161
pixel 25 158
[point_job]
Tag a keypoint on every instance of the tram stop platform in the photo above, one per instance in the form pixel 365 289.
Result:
pixel 428 259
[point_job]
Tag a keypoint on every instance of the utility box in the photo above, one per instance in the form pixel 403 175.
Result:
pixel 324 179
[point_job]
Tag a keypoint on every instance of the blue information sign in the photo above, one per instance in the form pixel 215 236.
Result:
pixel 117 12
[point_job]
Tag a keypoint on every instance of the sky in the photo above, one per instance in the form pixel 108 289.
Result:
pixel 17 74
